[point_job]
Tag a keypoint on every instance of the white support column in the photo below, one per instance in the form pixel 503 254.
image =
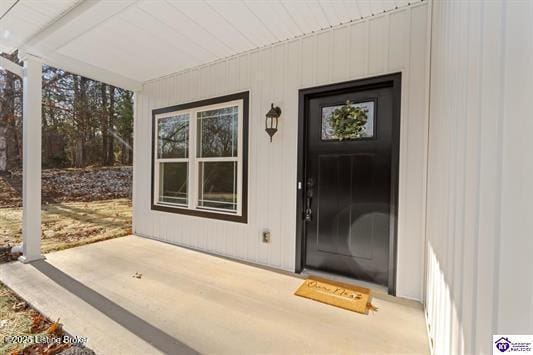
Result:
pixel 31 163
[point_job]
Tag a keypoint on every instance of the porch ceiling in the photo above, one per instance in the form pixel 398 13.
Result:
pixel 128 42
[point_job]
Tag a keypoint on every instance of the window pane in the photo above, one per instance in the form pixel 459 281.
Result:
pixel 173 183
pixel 218 185
pixel 364 131
pixel 173 137
pixel 218 132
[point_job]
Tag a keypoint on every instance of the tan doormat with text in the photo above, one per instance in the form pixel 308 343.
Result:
pixel 338 294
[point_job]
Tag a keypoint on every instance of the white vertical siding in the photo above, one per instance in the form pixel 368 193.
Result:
pixel 480 186
pixel 391 42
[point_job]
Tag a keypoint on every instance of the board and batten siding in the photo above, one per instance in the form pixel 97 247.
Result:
pixel 397 41
pixel 480 186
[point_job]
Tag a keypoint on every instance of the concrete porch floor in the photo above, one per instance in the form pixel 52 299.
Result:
pixel 188 301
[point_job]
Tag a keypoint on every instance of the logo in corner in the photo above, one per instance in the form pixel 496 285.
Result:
pixel 511 343
pixel 502 344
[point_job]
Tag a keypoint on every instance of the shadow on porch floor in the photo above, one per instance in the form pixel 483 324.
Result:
pixel 188 301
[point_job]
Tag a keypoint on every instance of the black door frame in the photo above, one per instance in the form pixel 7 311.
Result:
pixel 389 80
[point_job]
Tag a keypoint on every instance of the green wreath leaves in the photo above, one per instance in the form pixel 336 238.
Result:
pixel 348 121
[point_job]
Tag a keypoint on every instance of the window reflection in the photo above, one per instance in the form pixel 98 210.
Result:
pixel 173 183
pixel 218 185
pixel 173 137
pixel 218 132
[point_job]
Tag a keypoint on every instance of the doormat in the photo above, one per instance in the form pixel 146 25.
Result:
pixel 338 294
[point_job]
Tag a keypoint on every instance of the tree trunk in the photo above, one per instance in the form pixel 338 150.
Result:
pixel 79 153
pixel 81 118
pixel 123 154
pixel 9 153
pixel 130 151
pixel 105 125
pixel 3 149
pixel 110 147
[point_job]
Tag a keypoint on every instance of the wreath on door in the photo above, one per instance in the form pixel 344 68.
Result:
pixel 348 121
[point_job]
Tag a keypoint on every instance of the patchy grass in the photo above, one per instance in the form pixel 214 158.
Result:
pixel 18 319
pixel 13 322
pixel 71 224
pixel 81 206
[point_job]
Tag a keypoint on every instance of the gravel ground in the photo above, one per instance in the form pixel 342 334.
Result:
pixel 65 185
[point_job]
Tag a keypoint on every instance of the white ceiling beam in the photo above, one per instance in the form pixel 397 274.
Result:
pixel 89 71
pixel 68 17
pixel 39 46
pixel 6 6
pixel 78 21
pixel 11 66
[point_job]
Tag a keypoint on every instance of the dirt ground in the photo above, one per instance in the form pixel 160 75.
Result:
pixel 70 224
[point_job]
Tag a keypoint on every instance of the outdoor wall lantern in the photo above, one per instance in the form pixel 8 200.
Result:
pixel 271 121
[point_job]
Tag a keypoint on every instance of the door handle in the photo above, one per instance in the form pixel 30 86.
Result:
pixel 308 214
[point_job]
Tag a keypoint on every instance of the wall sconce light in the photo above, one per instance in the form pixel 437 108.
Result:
pixel 271 121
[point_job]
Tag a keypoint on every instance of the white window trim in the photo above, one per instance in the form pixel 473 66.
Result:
pixel 193 161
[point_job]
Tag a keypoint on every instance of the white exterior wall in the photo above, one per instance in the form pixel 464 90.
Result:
pixel 388 43
pixel 480 227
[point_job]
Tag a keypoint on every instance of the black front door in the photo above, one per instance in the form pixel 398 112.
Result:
pixel 350 178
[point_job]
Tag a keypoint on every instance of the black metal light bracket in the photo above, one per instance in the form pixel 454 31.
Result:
pixel 271 121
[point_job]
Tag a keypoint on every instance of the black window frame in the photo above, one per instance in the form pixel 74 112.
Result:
pixel 243 217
